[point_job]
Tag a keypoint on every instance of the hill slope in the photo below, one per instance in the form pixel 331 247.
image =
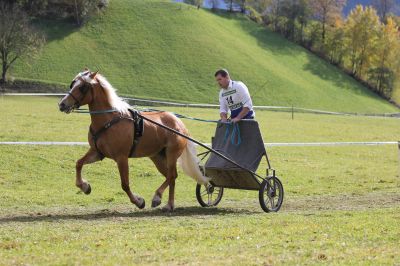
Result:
pixel 165 50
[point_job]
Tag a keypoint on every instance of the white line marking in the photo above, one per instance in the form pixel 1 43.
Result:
pixel 290 144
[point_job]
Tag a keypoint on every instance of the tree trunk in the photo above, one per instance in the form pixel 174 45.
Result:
pixel 301 33
pixel 4 72
pixel 3 77
pixel 77 14
pixel 323 30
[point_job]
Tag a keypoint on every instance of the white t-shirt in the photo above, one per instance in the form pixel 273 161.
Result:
pixel 234 98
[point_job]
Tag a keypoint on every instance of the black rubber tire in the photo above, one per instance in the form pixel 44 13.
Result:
pixel 209 191
pixel 265 191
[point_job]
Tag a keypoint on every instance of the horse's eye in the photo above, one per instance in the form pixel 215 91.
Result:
pixel 83 89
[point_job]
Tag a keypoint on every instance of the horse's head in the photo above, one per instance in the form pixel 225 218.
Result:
pixel 81 92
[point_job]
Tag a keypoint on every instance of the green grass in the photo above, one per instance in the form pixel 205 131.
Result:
pixel 164 50
pixel 341 203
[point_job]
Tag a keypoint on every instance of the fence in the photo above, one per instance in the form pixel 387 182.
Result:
pixel 135 101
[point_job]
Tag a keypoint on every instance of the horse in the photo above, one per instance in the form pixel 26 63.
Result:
pixel 112 134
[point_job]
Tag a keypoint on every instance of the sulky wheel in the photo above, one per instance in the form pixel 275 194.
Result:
pixel 271 194
pixel 208 195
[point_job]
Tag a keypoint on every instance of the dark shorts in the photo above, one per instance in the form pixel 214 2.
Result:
pixel 250 115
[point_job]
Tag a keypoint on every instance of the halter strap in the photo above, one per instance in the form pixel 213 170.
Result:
pixel 73 97
pixel 77 103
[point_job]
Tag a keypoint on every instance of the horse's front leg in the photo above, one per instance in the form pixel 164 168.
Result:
pixel 90 157
pixel 123 168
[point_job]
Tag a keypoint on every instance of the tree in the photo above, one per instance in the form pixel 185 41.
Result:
pixel 383 7
pixel 230 4
pixel 17 37
pixel 334 47
pixel 259 5
pixel 273 13
pixel 388 46
pixel 197 3
pixel 213 3
pixel 34 7
pixel 83 8
pixel 303 16
pixel 325 11
pixel 242 4
pixel 295 13
pixel 361 36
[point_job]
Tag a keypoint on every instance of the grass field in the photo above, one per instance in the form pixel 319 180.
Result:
pixel 165 50
pixel 341 203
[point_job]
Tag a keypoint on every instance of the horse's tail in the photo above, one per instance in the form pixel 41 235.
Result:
pixel 190 164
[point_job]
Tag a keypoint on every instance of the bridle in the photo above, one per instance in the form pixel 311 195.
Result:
pixel 83 89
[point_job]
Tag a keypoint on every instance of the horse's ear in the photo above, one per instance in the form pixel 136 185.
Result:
pixel 93 74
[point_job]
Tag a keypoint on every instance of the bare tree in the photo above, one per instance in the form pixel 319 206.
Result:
pixel 383 7
pixel 325 10
pixel 17 37
pixel 83 9
pixel 197 3
pixel 214 4
pixel 230 4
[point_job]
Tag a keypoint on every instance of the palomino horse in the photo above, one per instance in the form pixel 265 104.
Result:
pixel 112 135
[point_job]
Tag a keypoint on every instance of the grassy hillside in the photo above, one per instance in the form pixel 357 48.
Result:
pixel 165 50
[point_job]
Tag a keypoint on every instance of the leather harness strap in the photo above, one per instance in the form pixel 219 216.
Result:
pixel 137 127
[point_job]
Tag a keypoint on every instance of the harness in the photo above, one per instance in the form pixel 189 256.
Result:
pixel 137 119
pixel 138 128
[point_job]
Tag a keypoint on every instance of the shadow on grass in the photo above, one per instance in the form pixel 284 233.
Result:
pixel 56 29
pixel 337 76
pixel 107 214
pixel 266 39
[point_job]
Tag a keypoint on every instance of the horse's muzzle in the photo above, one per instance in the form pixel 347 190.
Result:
pixel 64 108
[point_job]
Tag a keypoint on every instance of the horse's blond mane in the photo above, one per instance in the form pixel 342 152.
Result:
pixel 115 101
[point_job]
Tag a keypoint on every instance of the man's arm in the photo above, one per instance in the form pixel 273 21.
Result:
pixel 242 114
pixel 223 109
pixel 224 117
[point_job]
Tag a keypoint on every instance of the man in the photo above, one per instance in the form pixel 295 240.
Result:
pixel 234 96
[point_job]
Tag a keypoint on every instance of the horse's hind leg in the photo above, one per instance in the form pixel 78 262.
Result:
pixel 172 174
pixel 161 164
pixel 90 157
pixel 123 168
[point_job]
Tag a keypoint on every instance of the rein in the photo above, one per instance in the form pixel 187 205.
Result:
pixel 99 112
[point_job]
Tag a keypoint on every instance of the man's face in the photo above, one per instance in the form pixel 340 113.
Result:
pixel 223 82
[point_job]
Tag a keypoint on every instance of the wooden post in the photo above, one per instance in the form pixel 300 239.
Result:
pixel 398 145
pixel 292 113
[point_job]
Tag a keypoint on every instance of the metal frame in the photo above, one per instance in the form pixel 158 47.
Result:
pixel 203 155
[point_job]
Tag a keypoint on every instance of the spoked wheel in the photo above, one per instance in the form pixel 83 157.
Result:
pixel 208 195
pixel 271 194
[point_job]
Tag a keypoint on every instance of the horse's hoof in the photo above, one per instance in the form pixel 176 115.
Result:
pixel 156 201
pixel 88 190
pixel 167 208
pixel 142 205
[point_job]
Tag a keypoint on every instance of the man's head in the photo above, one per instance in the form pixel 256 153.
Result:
pixel 222 77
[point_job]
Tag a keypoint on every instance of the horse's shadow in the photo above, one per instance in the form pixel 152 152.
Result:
pixel 107 214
